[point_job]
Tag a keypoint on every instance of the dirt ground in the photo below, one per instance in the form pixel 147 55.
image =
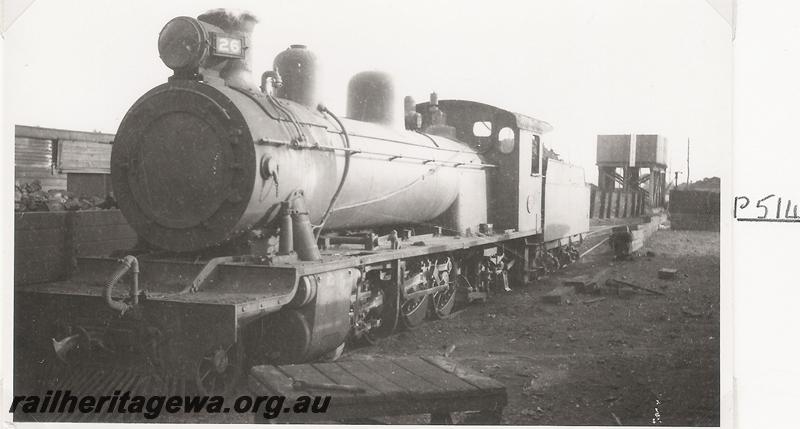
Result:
pixel 643 360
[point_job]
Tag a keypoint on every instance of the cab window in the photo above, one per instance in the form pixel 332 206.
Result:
pixel 506 140
pixel 482 129
pixel 535 155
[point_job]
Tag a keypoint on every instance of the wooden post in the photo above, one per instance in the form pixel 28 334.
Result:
pixel 602 196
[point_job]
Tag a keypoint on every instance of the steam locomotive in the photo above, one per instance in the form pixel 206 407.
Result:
pixel 271 228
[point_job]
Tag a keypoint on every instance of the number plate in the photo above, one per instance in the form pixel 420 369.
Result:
pixel 227 46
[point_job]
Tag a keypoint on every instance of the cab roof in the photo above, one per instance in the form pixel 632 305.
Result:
pixel 486 112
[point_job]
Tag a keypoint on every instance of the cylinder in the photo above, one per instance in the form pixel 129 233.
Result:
pixel 371 98
pixel 306 291
pixel 313 325
pixel 297 67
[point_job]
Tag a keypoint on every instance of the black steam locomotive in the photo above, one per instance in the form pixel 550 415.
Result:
pixel 272 228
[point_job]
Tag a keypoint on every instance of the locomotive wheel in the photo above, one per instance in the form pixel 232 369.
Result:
pixel 413 312
pixel 443 302
pixel 551 264
pixel 573 253
pixel 389 318
pixel 218 372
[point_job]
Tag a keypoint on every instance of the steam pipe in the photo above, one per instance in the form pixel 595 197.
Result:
pixel 322 108
pixel 127 263
pixel 285 241
pixel 305 244
pixel 270 74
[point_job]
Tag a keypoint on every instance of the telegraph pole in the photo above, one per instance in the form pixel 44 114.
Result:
pixel 688 145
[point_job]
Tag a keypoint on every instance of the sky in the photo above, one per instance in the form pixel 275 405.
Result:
pixel 587 67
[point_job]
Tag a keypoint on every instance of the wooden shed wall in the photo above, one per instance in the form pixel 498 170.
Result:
pixel 48 154
pixel 33 160
pixel 84 157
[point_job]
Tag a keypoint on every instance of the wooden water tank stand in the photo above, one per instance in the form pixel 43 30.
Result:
pixel 392 386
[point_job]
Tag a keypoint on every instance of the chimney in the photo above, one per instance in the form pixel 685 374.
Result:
pixel 234 71
pixel 297 68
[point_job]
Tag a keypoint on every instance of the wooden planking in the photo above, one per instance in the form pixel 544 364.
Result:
pixel 93 158
pixel 402 377
pixel 79 156
pixel 27 131
pixel 338 374
pixel 25 173
pixel 76 152
pixel 458 389
pixel 309 374
pixel 443 379
pixel 471 377
pixel 74 147
pixel 89 159
pixel 270 381
pixel 390 390
pixel 33 152
pixel 304 372
pixel 33 160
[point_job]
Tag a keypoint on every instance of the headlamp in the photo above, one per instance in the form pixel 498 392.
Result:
pixel 183 43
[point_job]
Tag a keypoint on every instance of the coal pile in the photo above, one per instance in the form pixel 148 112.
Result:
pixel 30 197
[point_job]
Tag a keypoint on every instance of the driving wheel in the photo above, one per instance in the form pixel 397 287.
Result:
pixel 413 312
pixel 444 300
